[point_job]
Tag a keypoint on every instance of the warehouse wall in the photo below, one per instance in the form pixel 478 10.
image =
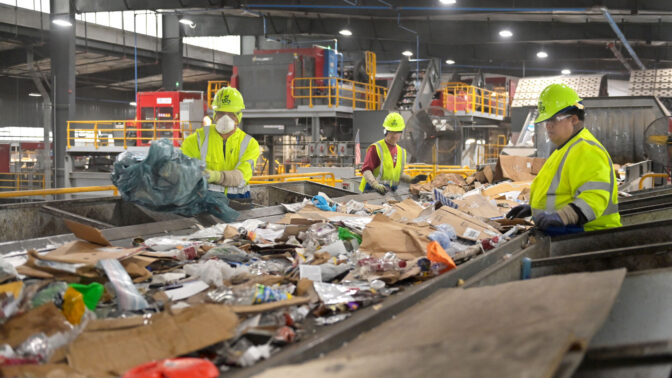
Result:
pixel 19 109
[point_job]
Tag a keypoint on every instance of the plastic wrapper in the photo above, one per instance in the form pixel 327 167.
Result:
pixel 321 203
pixel 163 243
pixel 254 354
pixel 229 253
pixel 7 270
pixel 336 248
pixel 271 232
pixel 324 233
pixel 355 223
pixel 128 297
pixel 212 272
pixel 295 207
pixel 263 267
pixel 36 346
pixel 444 234
pixel 332 294
pixel 266 294
pixel 52 293
pixel 355 207
pixel 167 180
pixel 73 306
pixel 330 271
pixel 326 320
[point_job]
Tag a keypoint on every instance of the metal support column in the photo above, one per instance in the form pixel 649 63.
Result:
pixel 171 53
pixel 271 154
pixel 315 137
pixel 62 51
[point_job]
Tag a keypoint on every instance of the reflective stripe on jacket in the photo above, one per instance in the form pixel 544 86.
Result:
pixel 581 173
pixel 387 173
pixel 242 152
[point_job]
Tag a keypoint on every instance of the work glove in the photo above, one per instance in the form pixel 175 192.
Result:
pixel 213 176
pixel 548 219
pixel 380 188
pixel 520 211
pixel 418 178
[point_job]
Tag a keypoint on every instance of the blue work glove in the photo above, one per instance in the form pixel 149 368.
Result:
pixel 520 211
pixel 548 219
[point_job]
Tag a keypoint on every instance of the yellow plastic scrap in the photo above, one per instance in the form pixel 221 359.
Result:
pixel 73 306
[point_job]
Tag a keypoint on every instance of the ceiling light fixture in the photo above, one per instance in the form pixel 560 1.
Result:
pixel 542 55
pixel 506 33
pixel 565 71
pixel 132 103
pixel 450 61
pixel 33 94
pixel 407 53
pixel 61 22
pixel 447 2
pixel 345 32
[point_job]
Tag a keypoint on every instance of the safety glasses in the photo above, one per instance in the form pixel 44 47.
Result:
pixel 553 120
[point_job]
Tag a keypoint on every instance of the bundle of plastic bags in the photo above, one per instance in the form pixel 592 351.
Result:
pixel 167 180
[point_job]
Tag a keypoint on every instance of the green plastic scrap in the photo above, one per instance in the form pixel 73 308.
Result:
pixel 91 292
pixel 345 234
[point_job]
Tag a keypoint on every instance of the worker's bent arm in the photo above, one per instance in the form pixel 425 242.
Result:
pixel 589 173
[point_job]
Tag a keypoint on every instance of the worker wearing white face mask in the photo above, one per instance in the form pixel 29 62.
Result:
pixel 228 152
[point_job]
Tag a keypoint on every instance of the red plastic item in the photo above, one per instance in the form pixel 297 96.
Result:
pixel 175 368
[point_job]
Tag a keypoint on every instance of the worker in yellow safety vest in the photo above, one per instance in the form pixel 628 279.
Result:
pixel 228 152
pixel 576 189
pixel 385 161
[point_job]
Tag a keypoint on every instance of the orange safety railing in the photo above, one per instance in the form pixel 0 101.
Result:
pixel 22 180
pixel 335 91
pixel 213 87
pixel 460 97
pixel 326 178
pixel 126 133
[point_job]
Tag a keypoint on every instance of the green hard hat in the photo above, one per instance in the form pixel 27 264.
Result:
pixel 394 122
pixel 229 99
pixel 554 98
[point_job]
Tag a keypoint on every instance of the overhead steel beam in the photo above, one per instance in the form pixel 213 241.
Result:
pixel 62 44
pixel 339 7
pixel 453 32
pixel 118 75
pixel 621 36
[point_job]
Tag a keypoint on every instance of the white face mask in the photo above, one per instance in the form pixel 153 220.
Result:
pixel 225 124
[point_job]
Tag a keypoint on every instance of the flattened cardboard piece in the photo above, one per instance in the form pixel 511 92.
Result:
pixel 46 318
pixel 444 179
pixel 466 226
pixel 517 168
pixel 453 190
pixel 385 235
pixel 88 233
pixel 230 232
pixel 405 210
pixel 478 206
pixel 81 252
pixel 489 173
pixel 166 336
pixel 253 309
pixel 110 324
pixel 495 190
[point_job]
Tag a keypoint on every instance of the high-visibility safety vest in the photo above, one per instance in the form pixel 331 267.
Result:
pixel 242 152
pixel 387 173
pixel 581 173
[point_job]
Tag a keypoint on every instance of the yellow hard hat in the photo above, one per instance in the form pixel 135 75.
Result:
pixel 229 99
pixel 556 98
pixel 394 122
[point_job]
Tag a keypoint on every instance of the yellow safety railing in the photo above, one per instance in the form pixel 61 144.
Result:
pixel 433 170
pixel 489 153
pixel 370 64
pixel 125 133
pixel 326 178
pixel 652 176
pixel 48 192
pixel 22 180
pixel 469 99
pixel 213 87
pixel 336 91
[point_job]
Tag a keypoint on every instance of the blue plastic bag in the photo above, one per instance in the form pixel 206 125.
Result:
pixel 167 180
pixel 444 234
pixel 321 203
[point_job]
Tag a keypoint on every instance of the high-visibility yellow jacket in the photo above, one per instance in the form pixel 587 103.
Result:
pixel 581 173
pixel 387 173
pixel 242 152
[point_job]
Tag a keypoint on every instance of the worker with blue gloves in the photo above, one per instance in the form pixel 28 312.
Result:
pixel 576 189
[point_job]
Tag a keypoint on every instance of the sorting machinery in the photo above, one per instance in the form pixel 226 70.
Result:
pixel 634 338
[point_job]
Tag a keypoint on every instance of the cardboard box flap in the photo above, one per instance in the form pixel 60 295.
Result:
pixel 386 235
pixel 81 252
pixel 166 336
pixel 478 206
pixel 406 211
pixel 466 226
pixel 517 168
pixel 88 233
